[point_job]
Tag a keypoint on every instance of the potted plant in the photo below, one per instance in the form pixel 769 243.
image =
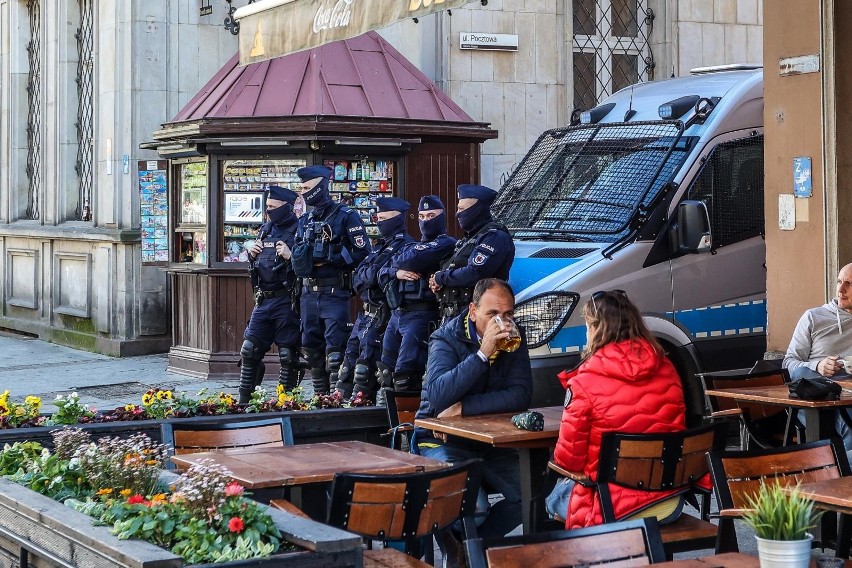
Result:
pixel 781 518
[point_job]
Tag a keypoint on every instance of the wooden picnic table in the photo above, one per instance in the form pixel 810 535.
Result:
pixel 533 449
pixel 818 413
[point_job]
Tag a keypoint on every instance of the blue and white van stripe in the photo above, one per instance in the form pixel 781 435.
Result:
pixel 723 320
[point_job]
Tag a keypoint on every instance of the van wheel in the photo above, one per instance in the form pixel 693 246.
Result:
pixel 693 390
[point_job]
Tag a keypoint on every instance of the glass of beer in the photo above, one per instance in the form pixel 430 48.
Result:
pixel 513 341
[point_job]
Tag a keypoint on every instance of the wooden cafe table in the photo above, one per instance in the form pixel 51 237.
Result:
pixel 533 449
pixel 818 418
pixel 306 465
pixel 831 495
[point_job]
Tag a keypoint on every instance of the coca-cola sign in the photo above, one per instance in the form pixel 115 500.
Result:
pixel 334 16
pixel 271 28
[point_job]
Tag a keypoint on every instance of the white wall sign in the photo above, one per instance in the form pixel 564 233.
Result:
pixel 798 65
pixel 493 42
pixel 786 212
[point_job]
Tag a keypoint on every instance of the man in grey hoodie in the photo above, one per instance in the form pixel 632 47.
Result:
pixel 822 338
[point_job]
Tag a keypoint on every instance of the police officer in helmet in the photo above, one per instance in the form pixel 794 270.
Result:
pixel 273 319
pixel 485 251
pixel 415 314
pixel 358 372
pixel 330 243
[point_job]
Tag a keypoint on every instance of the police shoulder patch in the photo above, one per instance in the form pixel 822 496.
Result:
pixel 568 396
pixel 489 248
pixel 479 259
pixel 355 229
pixel 421 247
pixel 359 241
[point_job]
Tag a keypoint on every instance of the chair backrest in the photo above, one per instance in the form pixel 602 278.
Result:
pixel 405 506
pixel 655 462
pixel 739 474
pixel 628 543
pixel 187 438
pixel 402 405
pixel 746 379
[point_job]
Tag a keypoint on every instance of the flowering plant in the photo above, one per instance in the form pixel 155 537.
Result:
pixel 204 517
pixel 14 414
pixel 158 403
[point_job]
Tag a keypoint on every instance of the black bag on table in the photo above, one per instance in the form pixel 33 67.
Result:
pixel 819 388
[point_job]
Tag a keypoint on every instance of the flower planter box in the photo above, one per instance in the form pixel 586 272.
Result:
pixel 328 425
pixel 39 532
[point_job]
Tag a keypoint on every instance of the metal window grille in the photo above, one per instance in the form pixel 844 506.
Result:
pixel 591 182
pixel 610 48
pixel 34 110
pixel 85 109
pixel 731 185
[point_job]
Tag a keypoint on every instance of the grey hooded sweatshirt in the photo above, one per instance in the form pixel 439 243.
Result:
pixel 820 333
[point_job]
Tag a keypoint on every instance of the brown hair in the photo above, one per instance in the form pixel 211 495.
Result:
pixel 612 317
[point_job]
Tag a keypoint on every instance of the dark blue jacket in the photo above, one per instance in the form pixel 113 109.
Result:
pixel 424 258
pixel 365 280
pixel 455 373
pixel 347 247
pixel 492 256
pixel 273 272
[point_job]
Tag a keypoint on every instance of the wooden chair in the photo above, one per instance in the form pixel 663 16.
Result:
pixel 737 474
pixel 404 507
pixel 401 406
pixel 673 461
pixel 628 543
pixel 765 425
pixel 195 437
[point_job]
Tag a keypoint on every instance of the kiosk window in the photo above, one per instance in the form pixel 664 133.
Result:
pixel 191 226
pixel 731 185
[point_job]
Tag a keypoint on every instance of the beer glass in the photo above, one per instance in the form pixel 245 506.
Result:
pixel 513 341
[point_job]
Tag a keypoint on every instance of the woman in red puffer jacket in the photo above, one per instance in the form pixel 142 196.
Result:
pixel 624 383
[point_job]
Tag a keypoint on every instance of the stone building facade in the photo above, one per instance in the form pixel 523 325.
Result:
pixel 84 82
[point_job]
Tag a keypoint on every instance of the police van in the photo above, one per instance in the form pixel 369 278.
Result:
pixel 657 191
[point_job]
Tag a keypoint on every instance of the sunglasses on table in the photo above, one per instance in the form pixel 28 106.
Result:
pixel 601 293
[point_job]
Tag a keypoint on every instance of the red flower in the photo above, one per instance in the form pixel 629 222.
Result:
pixel 235 525
pixel 233 489
pixel 135 499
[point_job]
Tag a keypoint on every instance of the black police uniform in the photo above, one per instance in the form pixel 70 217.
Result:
pixel 330 242
pixel 273 319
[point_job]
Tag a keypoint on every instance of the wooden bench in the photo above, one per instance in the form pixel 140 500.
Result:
pixel 391 558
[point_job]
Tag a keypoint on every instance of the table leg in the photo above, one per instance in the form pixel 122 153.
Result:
pixel 533 462
pixel 312 499
pixel 819 425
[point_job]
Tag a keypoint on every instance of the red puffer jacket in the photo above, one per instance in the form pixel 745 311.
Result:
pixel 623 387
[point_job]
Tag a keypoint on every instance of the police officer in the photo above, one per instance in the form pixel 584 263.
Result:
pixel 365 341
pixel 273 318
pixel 485 251
pixel 330 242
pixel 415 314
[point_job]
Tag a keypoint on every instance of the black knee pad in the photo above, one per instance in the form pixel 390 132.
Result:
pixel 250 349
pixel 333 359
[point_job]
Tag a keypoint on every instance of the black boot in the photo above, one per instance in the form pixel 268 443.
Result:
pixel 333 361
pixel 384 377
pixel 365 381
pixel 407 382
pixel 288 375
pixel 251 369
pixel 344 380
pixel 319 375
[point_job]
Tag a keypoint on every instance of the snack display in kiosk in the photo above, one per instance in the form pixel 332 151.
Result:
pixel 244 183
pixel 357 183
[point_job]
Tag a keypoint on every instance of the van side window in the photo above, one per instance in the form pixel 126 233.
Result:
pixel 731 185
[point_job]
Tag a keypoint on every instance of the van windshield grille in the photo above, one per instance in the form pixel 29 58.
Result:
pixel 591 182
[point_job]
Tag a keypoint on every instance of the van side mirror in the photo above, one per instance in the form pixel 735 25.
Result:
pixel 693 227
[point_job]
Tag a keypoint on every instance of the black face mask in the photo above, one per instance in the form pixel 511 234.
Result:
pixel 474 216
pixel 318 195
pixel 392 226
pixel 280 214
pixel 433 228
